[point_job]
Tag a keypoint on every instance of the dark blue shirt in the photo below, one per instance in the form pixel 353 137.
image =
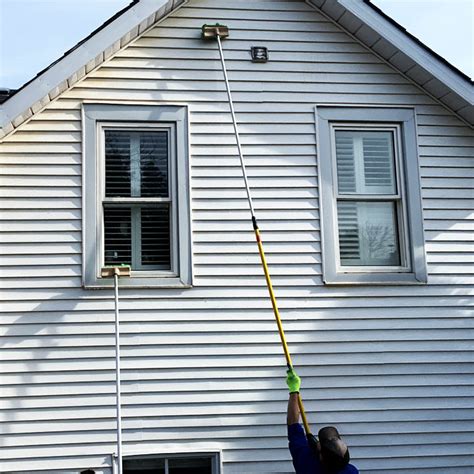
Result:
pixel 304 460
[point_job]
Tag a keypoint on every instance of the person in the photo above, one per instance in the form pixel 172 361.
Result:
pixel 329 455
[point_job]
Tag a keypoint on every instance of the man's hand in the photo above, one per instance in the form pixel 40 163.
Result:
pixel 293 381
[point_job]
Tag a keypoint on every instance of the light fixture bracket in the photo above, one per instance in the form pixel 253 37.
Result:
pixel 259 54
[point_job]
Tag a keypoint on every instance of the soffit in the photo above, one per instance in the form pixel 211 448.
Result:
pixel 404 52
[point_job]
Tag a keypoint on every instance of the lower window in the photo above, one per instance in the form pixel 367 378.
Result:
pixel 191 464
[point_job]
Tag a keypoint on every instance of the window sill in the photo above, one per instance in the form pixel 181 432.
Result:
pixel 137 282
pixel 375 279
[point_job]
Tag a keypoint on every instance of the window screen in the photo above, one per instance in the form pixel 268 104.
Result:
pixel 137 202
pixel 368 202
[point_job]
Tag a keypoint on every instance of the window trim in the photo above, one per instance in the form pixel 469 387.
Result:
pixel 398 198
pixel 215 456
pixel 329 116
pixel 135 202
pixel 99 116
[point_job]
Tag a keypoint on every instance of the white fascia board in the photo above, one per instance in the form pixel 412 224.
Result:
pixel 78 58
pixel 414 51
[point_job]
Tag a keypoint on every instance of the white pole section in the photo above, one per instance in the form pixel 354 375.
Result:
pixel 234 120
pixel 117 375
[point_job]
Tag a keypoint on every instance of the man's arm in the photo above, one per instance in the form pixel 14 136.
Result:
pixel 294 384
pixel 293 415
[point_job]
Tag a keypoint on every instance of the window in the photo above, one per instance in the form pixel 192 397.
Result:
pixel 371 216
pixel 179 464
pixel 136 194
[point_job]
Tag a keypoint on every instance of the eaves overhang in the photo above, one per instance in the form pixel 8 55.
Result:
pixel 83 58
pixel 390 41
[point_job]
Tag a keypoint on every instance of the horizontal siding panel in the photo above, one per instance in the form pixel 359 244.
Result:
pixel 55 248
pixel 34 237
pixel 339 373
pixel 39 226
pixel 40 271
pixel 245 44
pixel 245 24
pixel 257 96
pixel 39 159
pixel 50 125
pixel 230 346
pixel 233 360
pixel 406 315
pixel 240 87
pixel 44 203
pixel 105 385
pixel 54 137
pixel 239 67
pixel 42 191
pixel 42 282
pixel 114 71
pixel 236 205
pixel 42 170
pixel 308 292
pixel 237 55
pixel 39 215
pixel 39 147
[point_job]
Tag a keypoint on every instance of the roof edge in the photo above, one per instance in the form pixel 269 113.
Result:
pixel 373 17
pixel 455 69
pixel 88 54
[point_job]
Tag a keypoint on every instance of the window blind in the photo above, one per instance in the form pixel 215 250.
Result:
pixel 137 233
pixel 118 235
pixel 365 162
pixel 155 237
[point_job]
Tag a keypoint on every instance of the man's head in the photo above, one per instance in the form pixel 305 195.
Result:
pixel 333 451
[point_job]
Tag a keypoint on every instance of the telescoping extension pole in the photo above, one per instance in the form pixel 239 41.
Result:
pixel 217 31
pixel 117 272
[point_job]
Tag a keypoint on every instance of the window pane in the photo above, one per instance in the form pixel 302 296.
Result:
pixel 368 233
pixel 155 230
pixel 154 164
pixel 365 162
pixel 136 164
pixel 117 235
pixel 190 466
pixel 144 466
pixel 117 164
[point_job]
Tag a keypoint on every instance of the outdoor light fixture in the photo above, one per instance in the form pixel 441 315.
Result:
pixel 259 54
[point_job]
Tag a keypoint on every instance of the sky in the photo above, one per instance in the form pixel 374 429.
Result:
pixel 34 33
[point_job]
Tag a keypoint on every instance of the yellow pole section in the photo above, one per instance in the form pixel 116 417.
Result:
pixel 279 324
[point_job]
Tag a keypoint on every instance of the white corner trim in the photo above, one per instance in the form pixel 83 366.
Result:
pixel 418 54
pixel 70 64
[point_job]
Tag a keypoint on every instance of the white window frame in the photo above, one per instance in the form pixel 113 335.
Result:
pixel 97 118
pixel 170 129
pixel 399 198
pixel 401 122
pixel 216 463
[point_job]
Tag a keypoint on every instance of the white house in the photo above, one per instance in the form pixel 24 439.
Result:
pixel 359 147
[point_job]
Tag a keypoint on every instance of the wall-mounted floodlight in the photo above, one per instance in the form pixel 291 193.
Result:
pixel 259 54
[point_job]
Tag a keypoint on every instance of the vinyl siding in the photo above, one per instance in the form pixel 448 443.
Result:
pixel 203 367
